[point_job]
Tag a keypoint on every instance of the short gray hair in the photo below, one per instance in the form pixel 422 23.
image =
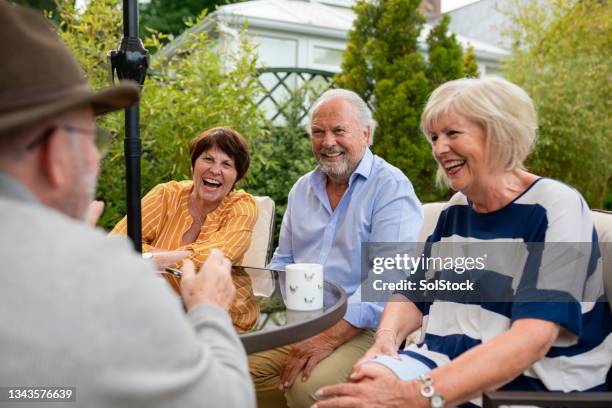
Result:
pixel 502 109
pixel 364 114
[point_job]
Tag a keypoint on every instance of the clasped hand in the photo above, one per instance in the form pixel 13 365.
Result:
pixel 372 385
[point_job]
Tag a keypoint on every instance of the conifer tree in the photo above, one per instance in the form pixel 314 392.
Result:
pixel 445 56
pixel 383 64
pixel 470 66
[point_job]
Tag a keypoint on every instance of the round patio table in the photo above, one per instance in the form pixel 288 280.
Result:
pixel 277 326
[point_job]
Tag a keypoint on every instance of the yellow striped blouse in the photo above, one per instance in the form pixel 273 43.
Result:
pixel 166 217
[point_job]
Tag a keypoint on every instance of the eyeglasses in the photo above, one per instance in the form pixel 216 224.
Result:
pixel 102 136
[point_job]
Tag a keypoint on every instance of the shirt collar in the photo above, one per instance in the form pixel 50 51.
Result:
pixel 365 165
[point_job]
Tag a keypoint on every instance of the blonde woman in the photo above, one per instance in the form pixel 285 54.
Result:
pixel 481 131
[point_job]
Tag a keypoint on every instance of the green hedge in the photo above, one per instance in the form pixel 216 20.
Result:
pixel 204 86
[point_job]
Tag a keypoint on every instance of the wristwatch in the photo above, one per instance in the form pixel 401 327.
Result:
pixel 428 391
pixel 147 255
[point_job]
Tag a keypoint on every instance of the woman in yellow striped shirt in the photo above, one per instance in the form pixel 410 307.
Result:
pixel 189 218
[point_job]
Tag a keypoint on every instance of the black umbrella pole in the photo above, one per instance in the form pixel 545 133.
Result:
pixel 132 175
pixel 130 18
pixel 130 61
pixel 132 141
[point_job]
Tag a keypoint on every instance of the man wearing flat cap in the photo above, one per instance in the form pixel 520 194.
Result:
pixel 78 311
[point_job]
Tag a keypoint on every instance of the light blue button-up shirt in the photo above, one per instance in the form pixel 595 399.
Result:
pixel 379 206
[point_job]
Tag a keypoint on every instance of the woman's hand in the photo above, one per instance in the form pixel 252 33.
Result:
pixel 374 385
pixel 211 285
pixel 164 259
pixel 384 345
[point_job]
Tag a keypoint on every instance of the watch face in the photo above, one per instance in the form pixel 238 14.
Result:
pixel 436 401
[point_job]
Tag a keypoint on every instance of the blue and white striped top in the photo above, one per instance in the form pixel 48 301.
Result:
pixel 548 212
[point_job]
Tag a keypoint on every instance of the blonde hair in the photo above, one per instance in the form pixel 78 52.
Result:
pixel 502 109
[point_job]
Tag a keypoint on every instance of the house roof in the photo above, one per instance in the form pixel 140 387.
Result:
pixel 482 20
pixel 290 15
pixel 313 18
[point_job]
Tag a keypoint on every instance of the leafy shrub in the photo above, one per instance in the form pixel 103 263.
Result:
pixel 282 156
pixel 383 64
pixel 202 87
pixel 562 58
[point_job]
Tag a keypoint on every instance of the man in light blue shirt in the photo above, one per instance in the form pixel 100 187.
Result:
pixel 351 197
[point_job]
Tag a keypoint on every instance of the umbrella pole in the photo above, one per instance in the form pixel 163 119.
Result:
pixel 130 61
pixel 132 146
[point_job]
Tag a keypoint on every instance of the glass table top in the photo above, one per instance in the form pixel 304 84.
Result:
pixel 277 325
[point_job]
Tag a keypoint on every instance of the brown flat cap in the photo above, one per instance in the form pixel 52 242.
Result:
pixel 40 78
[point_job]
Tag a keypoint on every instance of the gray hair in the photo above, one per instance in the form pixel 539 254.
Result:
pixel 364 114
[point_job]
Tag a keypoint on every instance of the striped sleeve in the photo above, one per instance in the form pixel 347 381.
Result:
pixel 153 208
pixel 233 237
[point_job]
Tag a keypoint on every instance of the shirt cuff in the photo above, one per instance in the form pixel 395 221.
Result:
pixel 363 315
pixel 405 368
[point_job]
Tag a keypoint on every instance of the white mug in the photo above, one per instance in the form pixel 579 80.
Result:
pixel 304 286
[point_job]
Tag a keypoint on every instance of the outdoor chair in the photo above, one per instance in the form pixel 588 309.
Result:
pixel 496 399
pixel 259 251
pixel 603 225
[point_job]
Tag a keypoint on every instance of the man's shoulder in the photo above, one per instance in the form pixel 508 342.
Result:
pixel 304 182
pixel 384 171
pixel 47 247
pixel 36 230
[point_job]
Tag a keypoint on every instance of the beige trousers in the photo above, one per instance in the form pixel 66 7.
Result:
pixel 265 369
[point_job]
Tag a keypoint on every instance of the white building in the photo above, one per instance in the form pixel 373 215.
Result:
pixel 313 33
pixel 307 34
pixel 483 20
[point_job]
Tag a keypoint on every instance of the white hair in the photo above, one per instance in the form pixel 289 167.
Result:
pixel 364 114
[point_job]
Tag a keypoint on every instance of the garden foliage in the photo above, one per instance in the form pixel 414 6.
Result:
pixel 283 155
pixel 562 57
pixel 169 16
pixel 383 64
pixel 181 98
pixel 444 53
pixel 470 65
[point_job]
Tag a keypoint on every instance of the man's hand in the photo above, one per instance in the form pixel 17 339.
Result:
pixel 375 386
pixel 212 285
pixel 164 258
pixel 94 211
pixel 306 354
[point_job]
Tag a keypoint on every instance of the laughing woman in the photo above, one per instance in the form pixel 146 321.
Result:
pixel 540 321
pixel 189 218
